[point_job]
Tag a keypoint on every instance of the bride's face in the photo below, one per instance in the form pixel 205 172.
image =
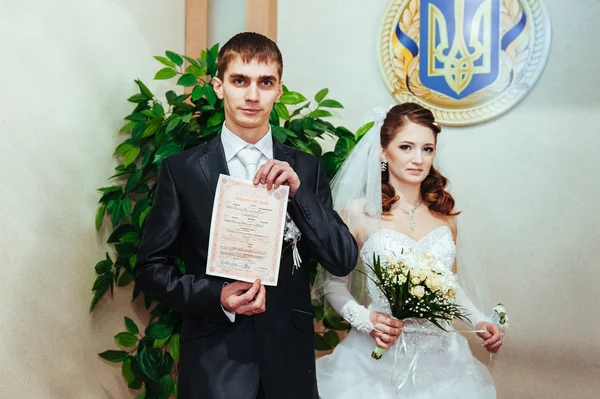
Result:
pixel 410 154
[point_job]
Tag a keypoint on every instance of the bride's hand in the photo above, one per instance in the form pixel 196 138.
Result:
pixel 492 336
pixel 386 329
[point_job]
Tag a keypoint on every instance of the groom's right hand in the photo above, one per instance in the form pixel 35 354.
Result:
pixel 244 298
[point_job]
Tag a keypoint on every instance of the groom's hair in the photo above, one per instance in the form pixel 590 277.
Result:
pixel 249 46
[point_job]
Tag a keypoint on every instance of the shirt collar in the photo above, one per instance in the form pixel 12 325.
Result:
pixel 232 144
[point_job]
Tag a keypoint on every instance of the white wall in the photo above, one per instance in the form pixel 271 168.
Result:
pixel 527 182
pixel 67 69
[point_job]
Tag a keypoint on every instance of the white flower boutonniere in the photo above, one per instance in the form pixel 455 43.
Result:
pixel 291 235
pixel 500 317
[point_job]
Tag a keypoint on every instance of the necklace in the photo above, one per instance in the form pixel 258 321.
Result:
pixel 410 214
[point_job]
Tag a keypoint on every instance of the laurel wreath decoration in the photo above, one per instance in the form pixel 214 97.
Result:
pixel 520 65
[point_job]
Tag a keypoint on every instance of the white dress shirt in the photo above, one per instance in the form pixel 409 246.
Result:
pixel 232 145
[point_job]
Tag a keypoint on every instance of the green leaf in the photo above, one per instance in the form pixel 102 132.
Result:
pixel 131 326
pixel 210 94
pixel 114 356
pixel 131 237
pixel 197 93
pixel 127 371
pixel 166 150
pixel 127 127
pixel 187 80
pixel 196 63
pixel 157 109
pixel 187 118
pixel 363 130
pixel 331 104
pixel 279 133
pixel 139 207
pixel 343 146
pixel 138 98
pixel 138 130
pixel 282 111
pixel 126 205
pixel 149 361
pixel 335 322
pixel 176 58
pixel 131 156
pixel 174 346
pixel 160 342
pixel 332 338
pixel 159 330
pixel 319 312
pixel 124 279
pixel 136 116
pixel 319 113
pixel 141 395
pixel 165 61
pixel 166 385
pixel 122 148
pixel 165 73
pixel 321 343
pixel 194 70
pixel 103 266
pixel 111 189
pixel 126 339
pixel 215 119
pixel 143 89
pixel 291 98
pixel 100 216
pixel 152 127
pixel 134 179
pixel 125 249
pixel 321 95
pixel 143 216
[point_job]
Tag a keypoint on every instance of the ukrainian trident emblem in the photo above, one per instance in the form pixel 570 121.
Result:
pixel 466 60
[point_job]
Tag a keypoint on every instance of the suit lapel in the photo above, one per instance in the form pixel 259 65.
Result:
pixel 283 153
pixel 213 163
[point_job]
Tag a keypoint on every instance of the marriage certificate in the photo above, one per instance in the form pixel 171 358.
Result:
pixel 246 231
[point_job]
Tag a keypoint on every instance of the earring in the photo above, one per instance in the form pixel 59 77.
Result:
pixel 383 165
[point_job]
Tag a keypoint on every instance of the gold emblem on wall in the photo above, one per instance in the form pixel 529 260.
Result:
pixel 466 60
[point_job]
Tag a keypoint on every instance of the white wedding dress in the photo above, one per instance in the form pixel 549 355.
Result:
pixel 425 362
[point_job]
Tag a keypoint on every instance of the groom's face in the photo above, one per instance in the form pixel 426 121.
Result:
pixel 248 91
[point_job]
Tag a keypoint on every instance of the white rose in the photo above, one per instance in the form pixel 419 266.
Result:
pixel 418 291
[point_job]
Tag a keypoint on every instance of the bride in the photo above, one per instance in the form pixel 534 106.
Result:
pixel 394 200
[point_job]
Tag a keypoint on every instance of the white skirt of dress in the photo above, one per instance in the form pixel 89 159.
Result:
pixel 426 363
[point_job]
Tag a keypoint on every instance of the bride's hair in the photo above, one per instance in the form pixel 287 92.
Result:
pixel 433 188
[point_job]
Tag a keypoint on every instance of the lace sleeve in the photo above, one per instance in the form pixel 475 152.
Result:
pixel 338 295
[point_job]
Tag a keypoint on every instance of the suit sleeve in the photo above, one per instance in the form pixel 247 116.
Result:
pixel 155 272
pixel 327 235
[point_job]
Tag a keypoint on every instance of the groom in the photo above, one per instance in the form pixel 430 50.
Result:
pixel 241 340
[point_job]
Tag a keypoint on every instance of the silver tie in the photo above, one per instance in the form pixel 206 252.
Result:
pixel 249 156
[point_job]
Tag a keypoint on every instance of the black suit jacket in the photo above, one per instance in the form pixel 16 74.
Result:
pixel 221 359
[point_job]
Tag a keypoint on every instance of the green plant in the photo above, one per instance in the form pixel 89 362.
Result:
pixel 154 131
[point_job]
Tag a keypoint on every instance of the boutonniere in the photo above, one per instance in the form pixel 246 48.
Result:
pixel 500 318
pixel 291 235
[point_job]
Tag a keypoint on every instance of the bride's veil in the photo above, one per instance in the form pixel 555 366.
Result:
pixel 356 191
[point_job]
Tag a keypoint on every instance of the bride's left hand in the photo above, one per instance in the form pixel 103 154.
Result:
pixel 492 336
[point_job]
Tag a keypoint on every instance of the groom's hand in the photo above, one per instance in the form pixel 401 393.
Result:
pixel 244 298
pixel 275 173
